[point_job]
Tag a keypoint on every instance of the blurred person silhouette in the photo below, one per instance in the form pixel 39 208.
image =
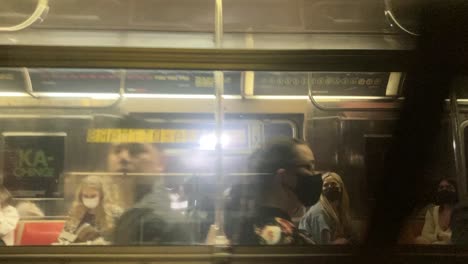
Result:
pixel 151 220
pixel 28 209
pixel 261 213
pixel 8 218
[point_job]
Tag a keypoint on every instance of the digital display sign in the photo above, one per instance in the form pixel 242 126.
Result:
pixel 321 83
pixel 75 80
pixel 179 82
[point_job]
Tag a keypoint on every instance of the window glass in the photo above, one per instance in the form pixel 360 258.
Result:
pixel 154 157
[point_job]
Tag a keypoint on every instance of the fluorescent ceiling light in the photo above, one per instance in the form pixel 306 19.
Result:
pixel 317 97
pixel 175 96
pixel 79 95
pixel 13 94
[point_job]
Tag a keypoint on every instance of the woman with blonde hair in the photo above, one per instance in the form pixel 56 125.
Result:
pixel 329 220
pixel 93 213
pixel 8 218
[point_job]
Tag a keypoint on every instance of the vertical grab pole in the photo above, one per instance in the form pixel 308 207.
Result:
pixel 218 24
pixel 218 228
pixel 219 117
pixel 456 143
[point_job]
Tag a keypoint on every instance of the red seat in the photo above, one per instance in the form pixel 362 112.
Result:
pixel 38 232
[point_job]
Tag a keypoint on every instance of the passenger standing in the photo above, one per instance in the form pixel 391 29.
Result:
pixel 135 158
pixel 286 183
pixel 8 218
pixel 329 221
pixel 93 213
pixel 436 228
pixel 150 220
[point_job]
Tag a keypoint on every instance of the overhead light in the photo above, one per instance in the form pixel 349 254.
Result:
pixel 181 96
pixel 79 95
pixel 13 94
pixel 173 96
pixel 278 97
pixel 317 97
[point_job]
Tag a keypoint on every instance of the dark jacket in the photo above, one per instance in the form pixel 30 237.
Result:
pixel 152 222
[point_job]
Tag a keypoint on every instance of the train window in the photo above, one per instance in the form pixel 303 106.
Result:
pixel 182 130
pixel 191 162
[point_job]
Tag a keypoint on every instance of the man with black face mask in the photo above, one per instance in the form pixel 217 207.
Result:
pixel 286 183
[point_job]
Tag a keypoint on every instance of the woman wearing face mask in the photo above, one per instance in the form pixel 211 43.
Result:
pixel 436 228
pixel 92 215
pixel 261 213
pixel 329 220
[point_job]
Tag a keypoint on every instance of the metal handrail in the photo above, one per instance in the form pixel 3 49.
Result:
pixel 457 144
pixel 39 14
pixel 346 109
pixel 29 89
pixel 350 109
pixel 393 21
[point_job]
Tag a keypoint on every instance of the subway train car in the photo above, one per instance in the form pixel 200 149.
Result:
pixel 139 119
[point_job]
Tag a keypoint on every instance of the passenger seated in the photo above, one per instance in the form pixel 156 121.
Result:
pixel 286 182
pixel 92 215
pixel 8 218
pixel 329 220
pixel 28 209
pixel 436 228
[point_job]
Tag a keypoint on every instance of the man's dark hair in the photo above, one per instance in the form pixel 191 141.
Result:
pixel 131 122
pixel 241 200
pixel 276 154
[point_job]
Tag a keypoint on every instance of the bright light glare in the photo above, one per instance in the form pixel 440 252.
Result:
pixel 172 96
pixel 208 141
pixel 13 94
pixel 81 95
pixel 179 205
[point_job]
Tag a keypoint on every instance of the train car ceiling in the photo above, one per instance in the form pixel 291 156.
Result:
pixel 264 25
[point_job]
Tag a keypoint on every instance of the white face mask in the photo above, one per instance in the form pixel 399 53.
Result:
pixel 91 203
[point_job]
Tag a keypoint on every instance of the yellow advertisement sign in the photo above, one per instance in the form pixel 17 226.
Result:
pixel 112 135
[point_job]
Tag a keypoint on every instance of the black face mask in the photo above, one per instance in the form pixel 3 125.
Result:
pixel 308 188
pixel 446 197
pixel 332 193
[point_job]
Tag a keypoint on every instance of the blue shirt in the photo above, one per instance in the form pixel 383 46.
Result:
pixel 315 221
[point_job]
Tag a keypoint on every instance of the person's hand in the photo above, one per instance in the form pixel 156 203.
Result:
pixel 87 234
pixel 340 241
pixel 443 236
